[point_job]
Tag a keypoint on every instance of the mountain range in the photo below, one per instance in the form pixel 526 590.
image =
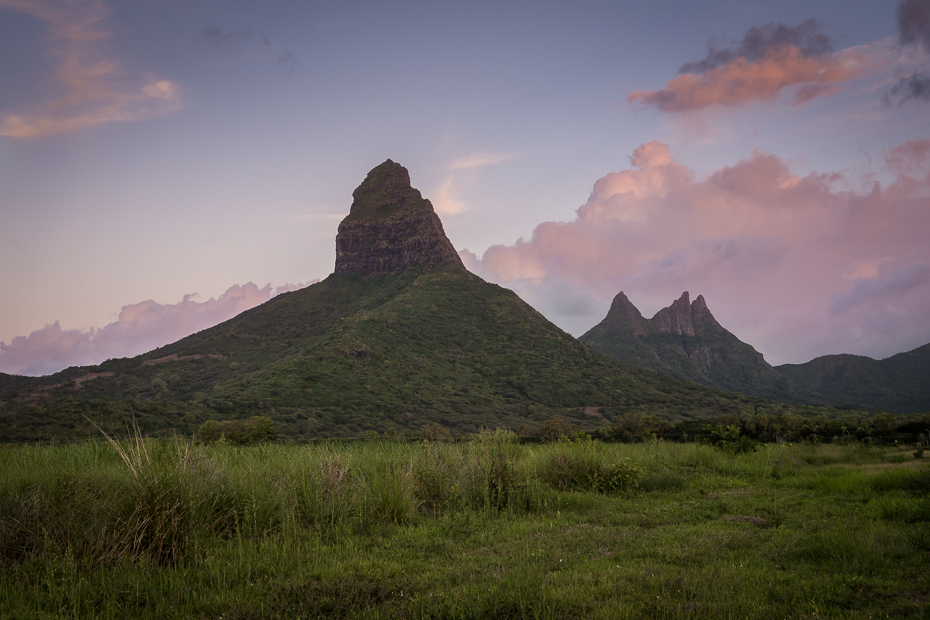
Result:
pixel 400 336
pixel 684 340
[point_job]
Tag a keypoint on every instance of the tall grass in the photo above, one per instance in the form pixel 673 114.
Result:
pixel 488 528
pixel 159 501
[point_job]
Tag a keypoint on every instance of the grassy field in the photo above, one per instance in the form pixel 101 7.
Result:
pixel 484 529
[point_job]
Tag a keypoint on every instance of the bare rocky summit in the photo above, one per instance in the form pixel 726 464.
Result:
pixel 390 228
pixel 682 319
pixel 685 340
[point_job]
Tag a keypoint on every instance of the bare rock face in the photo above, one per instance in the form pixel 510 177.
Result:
pixel 676 319
pixel 701 316
pixel 684 320
pixel 390 228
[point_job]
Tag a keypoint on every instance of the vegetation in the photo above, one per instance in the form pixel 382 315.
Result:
pixel 255 430
pixel 486 528
pixel 713 356
pixel 349 354
pixel 897 383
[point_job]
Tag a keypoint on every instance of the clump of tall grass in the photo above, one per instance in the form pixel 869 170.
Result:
pixel 482 474
pixel 583 464
pixel 147 512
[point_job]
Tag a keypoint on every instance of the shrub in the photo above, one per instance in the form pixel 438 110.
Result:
pixel 555 429
pixel 255 430
pixel 728 439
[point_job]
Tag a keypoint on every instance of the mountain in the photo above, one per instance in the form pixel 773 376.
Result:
pixel 899 383
pixel 685 341
pixel 400 335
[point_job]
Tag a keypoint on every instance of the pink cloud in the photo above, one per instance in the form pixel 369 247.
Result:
pixel 140 327
pixel 743 81
pixel 95 87
pixel 793 264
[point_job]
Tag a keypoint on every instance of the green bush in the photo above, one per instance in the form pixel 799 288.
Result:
pixel 729 439
pixel 255 430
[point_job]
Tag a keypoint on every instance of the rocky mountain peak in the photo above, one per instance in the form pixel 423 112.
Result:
pixel 676 319
pixel 701 316
pixel 390 228
pixel 623 315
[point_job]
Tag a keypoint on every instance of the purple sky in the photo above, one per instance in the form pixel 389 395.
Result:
pixel 166 165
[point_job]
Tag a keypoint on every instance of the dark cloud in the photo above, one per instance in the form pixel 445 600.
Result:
pixel 806 37
pixel 216 37
pixel 885 291
pixel 288 62
pixel 915 87
pixel 914 23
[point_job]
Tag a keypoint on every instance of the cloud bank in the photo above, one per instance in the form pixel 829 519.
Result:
pixel 768 61
pixel 140 327
pixel 796 266
pixel 96 88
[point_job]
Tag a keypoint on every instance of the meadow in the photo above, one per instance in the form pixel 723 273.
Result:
pixel 489 528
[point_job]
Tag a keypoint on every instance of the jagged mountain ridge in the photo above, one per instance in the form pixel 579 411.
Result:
pixel 685 341
pixel 399 336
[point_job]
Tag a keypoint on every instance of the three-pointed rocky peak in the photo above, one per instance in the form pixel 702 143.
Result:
pixel 685 319
pixel 390 228
pixel 684 340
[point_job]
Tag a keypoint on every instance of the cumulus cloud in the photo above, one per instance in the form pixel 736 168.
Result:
pixel 97 88
pixel 140 327
pixel 913 18
pixel 796 265
pixel 768 61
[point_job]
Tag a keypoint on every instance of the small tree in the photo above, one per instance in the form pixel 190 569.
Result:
pixel 209 432
pixel 555 429
pixel 435 432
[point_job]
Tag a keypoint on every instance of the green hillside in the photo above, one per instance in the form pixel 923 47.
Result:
pixel 899 383
pixel 349 354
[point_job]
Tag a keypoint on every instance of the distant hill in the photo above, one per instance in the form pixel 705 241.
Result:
pixel 685 341
pixel 399 336
pixel 899 383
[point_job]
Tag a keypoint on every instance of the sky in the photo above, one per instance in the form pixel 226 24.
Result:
pixel 166 165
